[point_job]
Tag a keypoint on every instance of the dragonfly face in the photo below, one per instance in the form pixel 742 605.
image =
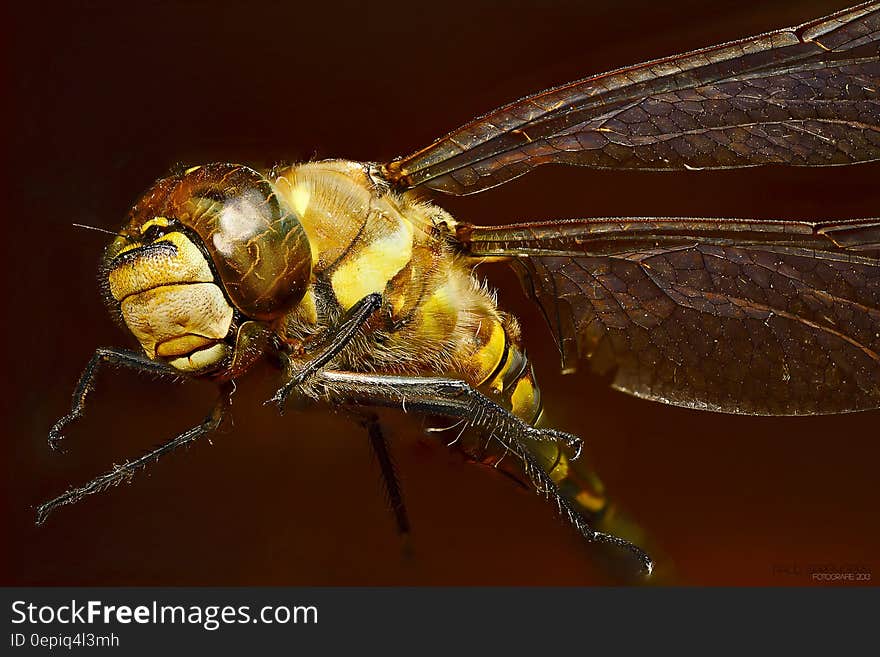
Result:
pixel 166 294
pixel 366 295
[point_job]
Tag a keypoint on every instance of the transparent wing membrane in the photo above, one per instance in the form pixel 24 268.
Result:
pixel 805 96
pixel 758 317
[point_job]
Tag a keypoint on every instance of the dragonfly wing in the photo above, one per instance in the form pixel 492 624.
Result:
pixel 808 96
pixel 762 317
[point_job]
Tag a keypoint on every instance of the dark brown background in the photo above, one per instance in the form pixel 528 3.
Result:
pixel 106 97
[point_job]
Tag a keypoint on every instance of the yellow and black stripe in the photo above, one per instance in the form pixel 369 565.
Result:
pixel 512 383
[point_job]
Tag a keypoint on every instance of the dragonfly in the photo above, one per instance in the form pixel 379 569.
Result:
pixel 364 293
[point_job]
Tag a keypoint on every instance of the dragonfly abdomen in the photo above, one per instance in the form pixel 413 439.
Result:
pixel 511 382
pixel 511 379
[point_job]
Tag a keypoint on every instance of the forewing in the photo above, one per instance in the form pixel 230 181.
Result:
pixel 765 318
pixel 802 96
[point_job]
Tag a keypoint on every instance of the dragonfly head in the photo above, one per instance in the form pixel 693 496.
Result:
pixel 204 252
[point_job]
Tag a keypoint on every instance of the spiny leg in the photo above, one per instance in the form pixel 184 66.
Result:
pixel 125 471
pixel 390 480
pixel 86 383
pixel 438 396
pixel 335 341
pixel 455 398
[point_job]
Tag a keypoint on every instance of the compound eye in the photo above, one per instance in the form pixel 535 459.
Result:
pixel 257 244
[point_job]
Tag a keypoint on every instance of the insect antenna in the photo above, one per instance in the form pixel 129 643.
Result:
pixel 100 230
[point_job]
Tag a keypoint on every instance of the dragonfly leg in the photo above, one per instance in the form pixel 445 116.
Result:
pixel 335 341
pixel 125 471
pixel 86 383
pixel 455 398
pixel 391 482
